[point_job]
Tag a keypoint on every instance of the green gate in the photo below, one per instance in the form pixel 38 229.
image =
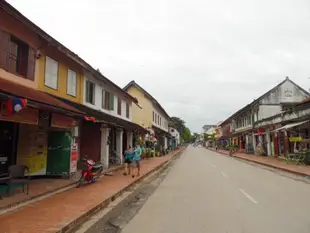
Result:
pixel 58 153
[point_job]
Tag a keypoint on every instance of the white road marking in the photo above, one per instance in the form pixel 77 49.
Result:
pixel 224 174
pixel 248 196
pixel 213 166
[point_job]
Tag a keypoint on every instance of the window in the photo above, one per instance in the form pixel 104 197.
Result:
pixel 157 119
pixel 119 106
pixel 16 56
pixel 90 92
pixel 71 83
pixel 51 73
pixel 160 121
pixel 103 103
pixel 111 103
pixel 153 116
pixel 127 110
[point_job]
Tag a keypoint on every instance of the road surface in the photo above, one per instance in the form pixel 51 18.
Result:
pixel 212 193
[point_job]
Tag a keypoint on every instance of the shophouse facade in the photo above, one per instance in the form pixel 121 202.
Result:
pixel 244 131
pixel 149 114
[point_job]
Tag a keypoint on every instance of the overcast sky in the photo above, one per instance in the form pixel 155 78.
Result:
pixel 201 59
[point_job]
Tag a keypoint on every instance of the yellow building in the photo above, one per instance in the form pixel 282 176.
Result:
pixel 58 76
pixel 151 115
pixel 142 116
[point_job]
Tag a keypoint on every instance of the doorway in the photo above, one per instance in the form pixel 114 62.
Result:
pixel 7 145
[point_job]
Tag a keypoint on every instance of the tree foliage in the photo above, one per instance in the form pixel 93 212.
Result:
pixel 187 135
pixel 179 125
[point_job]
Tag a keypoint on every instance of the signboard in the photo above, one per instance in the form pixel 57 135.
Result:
pixel 62 121
pixel 74 157
pixel 27 115
pixel 295 139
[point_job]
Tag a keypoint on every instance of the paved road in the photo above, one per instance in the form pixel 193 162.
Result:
pixel 211 193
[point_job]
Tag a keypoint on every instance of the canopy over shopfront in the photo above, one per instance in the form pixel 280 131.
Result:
pixel 36 98
pixel 101 117
pixel 288 126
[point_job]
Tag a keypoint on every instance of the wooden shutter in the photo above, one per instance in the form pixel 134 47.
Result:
pixel 51 73
pixel 103 99
pixel 111 105
pixel 107 100
pixel 31 63
pixel 71 83
pixel 4 49
pixel 119 106
pixel 127 110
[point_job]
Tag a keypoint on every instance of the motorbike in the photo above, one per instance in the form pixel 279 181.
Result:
pixel 90 171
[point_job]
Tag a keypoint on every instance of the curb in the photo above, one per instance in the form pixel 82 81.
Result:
pixel 265 164
pixel 39 197
pixel 71 225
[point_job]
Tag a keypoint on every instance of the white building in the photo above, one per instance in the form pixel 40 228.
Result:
pixel 175 135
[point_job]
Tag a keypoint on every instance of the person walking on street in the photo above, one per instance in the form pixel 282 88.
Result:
pixel 128 161
pixel 137 158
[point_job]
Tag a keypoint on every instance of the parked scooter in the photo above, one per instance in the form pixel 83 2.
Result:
pixel 90 171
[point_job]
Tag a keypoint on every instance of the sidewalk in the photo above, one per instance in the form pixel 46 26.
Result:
pixel 271 162
pixel 54 213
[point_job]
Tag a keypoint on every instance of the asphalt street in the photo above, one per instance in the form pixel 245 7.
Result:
pixel 212 193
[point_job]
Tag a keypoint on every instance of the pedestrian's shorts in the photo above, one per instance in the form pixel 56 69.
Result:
pixel 128 161
pixel 137 163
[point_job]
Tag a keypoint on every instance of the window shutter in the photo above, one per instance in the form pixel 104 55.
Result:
pixel 119 106
pixel 74 83
pixel 111 102
pixel 107 100
pixel 51 73
pixel 127 110
pixel 31 63
pixel 71 83
pixel 4 49
pixel 103 99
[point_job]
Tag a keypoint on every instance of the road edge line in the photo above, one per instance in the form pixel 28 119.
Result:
pixel 80 220
pixel 264 164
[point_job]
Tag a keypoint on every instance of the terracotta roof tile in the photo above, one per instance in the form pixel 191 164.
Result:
pixel 18 90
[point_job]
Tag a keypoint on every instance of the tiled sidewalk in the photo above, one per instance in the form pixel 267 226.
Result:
pixel 272 162
pixel 53 213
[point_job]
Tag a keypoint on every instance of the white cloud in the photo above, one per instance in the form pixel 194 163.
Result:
pixel 202 60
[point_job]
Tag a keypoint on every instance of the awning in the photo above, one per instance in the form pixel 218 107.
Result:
pixel 288 126
pixel 102 117
pixel 160 131
pixel 35 97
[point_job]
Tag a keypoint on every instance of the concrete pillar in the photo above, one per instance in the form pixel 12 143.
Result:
pixel 254 142
pixel 119 144
pixel 104 155
pixel 286 144
pixel 129 139
pixel 276 144
pixel 268 143
pixel 165 143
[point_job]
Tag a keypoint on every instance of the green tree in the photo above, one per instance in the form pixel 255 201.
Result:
pixel 178 124
pixel 187 135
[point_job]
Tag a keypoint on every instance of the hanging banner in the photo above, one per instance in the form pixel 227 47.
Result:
pixel 295 139
pixel 74 157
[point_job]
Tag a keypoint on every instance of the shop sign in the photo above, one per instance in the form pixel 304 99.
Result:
pixel 63 121
pixel 27 115
pixel 295 139
pixel 74 157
